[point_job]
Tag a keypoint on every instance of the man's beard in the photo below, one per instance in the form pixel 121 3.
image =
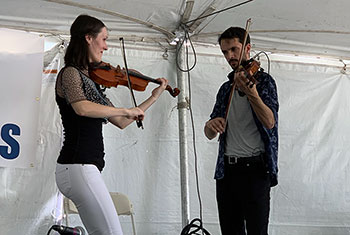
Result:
pixel 234 63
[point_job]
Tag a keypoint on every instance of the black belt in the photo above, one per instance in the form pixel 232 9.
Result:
pixel 235 160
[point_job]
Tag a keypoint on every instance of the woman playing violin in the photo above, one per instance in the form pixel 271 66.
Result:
pixel 247 160
pixel 84 108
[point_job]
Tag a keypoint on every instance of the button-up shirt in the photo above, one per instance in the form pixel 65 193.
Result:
pixel 267 91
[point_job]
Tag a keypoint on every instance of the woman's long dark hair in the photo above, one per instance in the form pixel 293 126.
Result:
pixel 77 50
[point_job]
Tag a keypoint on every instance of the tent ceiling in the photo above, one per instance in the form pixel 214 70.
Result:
pixel 313 26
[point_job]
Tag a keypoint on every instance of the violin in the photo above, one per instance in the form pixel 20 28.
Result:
pixel 108 76
pixel 250 68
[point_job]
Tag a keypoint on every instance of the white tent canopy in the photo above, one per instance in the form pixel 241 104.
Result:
pixel 314 26
pixel 308 43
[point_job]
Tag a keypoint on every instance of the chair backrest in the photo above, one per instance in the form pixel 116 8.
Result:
pixel 69 206
pixel 122 203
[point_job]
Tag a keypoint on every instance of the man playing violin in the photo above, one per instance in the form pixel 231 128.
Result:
pixel 247 123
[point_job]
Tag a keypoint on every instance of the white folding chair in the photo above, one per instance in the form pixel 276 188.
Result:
pixel 68 208
pixel 124 207
pixel 121 203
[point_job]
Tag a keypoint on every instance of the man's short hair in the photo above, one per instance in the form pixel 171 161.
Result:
pixel 234 32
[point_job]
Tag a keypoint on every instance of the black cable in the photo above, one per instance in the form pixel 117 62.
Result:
pixel 192 225
pixel 49 230
pixel 216 12
pixel 186 38
pixel 268 59
pixel 194 140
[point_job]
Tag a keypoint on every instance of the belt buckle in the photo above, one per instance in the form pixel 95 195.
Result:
pixel 232 160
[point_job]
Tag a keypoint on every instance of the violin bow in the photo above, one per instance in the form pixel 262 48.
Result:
pixel 138 122
pixel 233 87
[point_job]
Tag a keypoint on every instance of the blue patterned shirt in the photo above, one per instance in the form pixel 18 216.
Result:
pixel 267 90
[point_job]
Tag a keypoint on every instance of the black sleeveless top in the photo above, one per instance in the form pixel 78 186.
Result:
pixel 83 140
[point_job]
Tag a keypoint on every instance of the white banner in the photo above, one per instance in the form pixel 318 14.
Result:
pixel 21 66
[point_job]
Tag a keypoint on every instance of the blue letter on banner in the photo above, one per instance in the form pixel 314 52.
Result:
pixel 5 135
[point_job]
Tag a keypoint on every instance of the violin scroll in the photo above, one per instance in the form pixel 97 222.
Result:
pixel 173 92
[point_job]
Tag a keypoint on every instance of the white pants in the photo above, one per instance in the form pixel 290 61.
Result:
pixel 83 184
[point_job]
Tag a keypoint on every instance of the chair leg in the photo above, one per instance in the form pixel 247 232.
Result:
pixel 67 220
pixel 133 224
pixel 65 206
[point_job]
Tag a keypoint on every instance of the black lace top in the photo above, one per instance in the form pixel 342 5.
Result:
pixel 83 140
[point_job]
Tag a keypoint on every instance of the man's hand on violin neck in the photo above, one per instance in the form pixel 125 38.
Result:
pixel 244 84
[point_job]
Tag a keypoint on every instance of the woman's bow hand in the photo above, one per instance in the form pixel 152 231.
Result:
pixel 135 114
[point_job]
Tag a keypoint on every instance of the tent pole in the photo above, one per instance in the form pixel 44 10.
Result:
pixel 182 110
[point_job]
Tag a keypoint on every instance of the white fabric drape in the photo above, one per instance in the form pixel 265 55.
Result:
pixel 312 196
